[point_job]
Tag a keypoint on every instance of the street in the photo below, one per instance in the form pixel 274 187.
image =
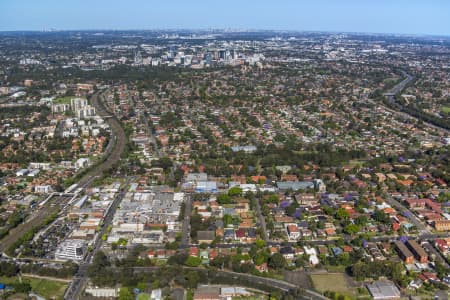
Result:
pixel 185 233
pixel 80 279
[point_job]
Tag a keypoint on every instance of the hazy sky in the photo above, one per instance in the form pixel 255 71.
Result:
pixel 379 16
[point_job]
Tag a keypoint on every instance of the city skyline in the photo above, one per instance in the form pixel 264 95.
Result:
pixel 401 17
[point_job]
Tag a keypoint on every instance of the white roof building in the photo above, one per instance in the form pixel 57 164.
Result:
pixel 71 250
pixel 313 259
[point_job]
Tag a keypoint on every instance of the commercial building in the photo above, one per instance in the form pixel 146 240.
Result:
pixel 316 184
pixel 71 250
pixel 206 187
pixel 42 189
pixel 102 292
pixel 22 172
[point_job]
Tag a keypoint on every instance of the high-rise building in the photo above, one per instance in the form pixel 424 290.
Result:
pixel 138 58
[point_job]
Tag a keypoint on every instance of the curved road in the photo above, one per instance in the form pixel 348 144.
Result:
pixel 279 284
pixel 390 96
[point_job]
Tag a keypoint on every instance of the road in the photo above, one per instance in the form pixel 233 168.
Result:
pixel 279 284
pixel 437 255
pixel 114 155
pixel 151 135
pixel 185 229
pixel 262 220
pixel 400 86
pixel 390 95
pixel 81 277
pixel 407 213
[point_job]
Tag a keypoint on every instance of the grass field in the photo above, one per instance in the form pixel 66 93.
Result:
pixel 46 288
pixel 62 100
pixel 335 282
pixel 356 162
pixel 336 269
pixel 143 296
pixel 446 109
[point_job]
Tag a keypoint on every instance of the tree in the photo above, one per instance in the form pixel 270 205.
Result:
pixel 8 269
pixel 172 245
pixel 142 286
pixel 351 229
pixel 381 216
pixel 163 162
pixel 260 243
pixel 100 260
pixel 277 261
pixel 114 246
pixel 361 220
pixel 193 261
pixel 125 294
pixel 220 261
pixel 155 284
pixel 259 258
pixel 292 208
pixel 342 214
pixel 177 259
pixel 22 287
pixel 192 278
pixel 235 191
pixel 227 219
pixel 224 199
pixel 122 242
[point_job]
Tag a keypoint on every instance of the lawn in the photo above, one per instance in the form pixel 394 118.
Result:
pixel 43 287
pixel 143 296
pixel 356 162
pixel 335 282
pixel 446 109
pixel 333 269
pixel 63 100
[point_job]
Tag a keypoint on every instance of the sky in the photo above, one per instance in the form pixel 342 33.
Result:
pixel 430 17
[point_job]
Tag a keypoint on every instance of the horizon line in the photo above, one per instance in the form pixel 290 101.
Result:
pixel 235 30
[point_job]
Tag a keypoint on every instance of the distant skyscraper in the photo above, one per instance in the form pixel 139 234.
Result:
pixel 138 58
pixel 172 52
pixel 208 58
pixel 222 54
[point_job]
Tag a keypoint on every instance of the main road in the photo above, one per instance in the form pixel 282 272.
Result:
pixel 278 284
pixel 80 278
pixel 390 96
pixel 113 156
pixel 400 86
pixel 185 228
